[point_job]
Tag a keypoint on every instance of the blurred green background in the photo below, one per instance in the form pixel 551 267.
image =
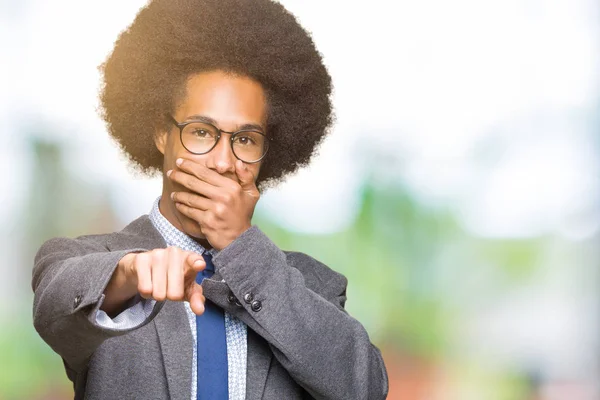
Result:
pixel 459 191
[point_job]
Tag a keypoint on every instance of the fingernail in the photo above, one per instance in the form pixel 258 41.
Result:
pixel 169 172
pixel 179 161
pixel 172 195
pixel 197 263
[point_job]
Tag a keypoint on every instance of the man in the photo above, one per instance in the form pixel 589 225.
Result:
pixel 222 97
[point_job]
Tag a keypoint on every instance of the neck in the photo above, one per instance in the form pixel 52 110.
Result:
pixel 167 208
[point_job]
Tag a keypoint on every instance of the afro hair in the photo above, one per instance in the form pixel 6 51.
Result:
pixel 144 77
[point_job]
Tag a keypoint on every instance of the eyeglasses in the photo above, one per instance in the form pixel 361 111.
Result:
pixel 199 137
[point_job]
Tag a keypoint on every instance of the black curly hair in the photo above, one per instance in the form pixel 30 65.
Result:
pixel 145 75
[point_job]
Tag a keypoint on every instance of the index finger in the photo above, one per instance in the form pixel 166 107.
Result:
pixel 202 172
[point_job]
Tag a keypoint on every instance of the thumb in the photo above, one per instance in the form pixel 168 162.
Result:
pixel 245 176
pixel 196 261
pixel 196 299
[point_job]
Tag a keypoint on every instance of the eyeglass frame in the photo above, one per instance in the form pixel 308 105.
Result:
pixel 182 125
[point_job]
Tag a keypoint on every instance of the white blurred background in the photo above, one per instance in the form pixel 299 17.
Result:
pixel 484 114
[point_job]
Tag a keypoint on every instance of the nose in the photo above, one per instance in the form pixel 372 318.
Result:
pixel 222 156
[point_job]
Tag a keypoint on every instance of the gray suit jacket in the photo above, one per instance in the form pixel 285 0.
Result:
pixel 301 344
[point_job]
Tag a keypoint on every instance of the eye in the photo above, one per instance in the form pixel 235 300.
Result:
pixel 201 133
pixel 244 140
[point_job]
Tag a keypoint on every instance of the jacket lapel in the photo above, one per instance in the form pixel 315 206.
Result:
pixel 176 344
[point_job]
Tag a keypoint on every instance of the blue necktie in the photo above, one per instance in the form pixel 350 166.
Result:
pixel 211 345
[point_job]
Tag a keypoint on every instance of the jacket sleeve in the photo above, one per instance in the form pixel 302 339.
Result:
pixel 324 349
pixel 69 279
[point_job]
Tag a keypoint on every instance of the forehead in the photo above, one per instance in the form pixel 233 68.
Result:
pixel 230 100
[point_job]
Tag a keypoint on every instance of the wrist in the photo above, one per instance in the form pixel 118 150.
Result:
pixel 125 276
pixel 233 238
pixel 120 288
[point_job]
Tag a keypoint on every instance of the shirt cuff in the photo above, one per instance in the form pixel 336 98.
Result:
pixel 132 317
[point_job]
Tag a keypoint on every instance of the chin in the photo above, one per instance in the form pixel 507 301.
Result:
pixel 190 227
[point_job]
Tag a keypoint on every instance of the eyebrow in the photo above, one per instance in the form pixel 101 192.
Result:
pixel 209 120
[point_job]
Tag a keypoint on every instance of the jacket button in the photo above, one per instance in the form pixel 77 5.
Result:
pixel 256 305
pixel 231 299
pixel 248 297
pixel 77 301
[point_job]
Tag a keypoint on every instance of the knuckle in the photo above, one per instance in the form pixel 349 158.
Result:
pixel 144 289
pixel 225 197
pixel 140 269
pixel 188 201
pixel 175 294
pixel 159 295
pixel 209 220
pixel 175 250
pixel 138 259
pixel 220 209
pixel 158 254
pixel 145 256
pixel 191 183
pixel 141 261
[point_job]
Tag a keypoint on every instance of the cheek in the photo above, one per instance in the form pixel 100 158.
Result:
pixel 173 151
pixel 169 154
pixel 255 168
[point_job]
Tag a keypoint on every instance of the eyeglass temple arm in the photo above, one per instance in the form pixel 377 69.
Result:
pixel 172 119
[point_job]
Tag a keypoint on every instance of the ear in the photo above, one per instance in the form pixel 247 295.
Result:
pixel 160 140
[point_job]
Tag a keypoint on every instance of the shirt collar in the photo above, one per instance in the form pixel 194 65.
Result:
pixel 172 235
